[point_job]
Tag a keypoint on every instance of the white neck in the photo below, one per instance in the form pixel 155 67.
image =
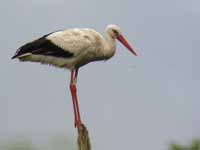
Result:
pixel 109 46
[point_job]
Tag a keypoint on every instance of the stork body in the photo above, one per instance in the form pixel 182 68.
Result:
pixel 70 48
pixel 73 48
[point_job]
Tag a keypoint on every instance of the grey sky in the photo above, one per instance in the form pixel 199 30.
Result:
pixel 127 102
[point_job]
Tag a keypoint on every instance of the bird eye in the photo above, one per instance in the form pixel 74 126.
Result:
pixel 115 31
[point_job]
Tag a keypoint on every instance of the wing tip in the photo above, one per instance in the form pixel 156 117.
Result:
pixel 13 57
pixel 20 56
pixel 16 54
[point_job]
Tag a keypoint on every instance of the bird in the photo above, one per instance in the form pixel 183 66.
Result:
pixel 71 49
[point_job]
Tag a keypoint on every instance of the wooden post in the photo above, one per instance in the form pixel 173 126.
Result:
pixel 83 139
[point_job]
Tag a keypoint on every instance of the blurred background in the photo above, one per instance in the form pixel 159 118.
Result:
pixel 143 102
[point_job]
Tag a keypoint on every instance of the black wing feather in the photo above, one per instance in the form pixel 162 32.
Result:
pixel 43 46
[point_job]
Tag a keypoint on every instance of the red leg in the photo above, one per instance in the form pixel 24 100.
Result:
pixel 73 89
pixel 72 93
pixel 76 101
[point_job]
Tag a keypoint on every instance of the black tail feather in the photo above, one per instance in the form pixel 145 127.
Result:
pixel 29 47
pixel 42 46
pixel 15 56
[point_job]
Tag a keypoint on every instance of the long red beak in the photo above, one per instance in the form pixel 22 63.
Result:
pixel 126 44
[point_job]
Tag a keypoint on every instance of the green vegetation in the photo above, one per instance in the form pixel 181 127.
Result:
pixel 195 145
pixel 53 143
pixel 22 144
pixel 65 143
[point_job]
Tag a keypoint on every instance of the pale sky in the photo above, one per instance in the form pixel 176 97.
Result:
pixel 128 102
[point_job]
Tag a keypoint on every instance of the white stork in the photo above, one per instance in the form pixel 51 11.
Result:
pixel 71 49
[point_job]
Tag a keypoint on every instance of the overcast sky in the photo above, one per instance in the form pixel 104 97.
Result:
pixel 128 102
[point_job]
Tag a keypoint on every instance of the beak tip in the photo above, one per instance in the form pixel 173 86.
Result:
pixel 134 53
pixel 126 44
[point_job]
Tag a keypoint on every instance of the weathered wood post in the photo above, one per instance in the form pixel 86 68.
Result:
pixel 83 139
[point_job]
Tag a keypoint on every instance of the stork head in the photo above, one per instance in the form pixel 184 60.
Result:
pixel 115 33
